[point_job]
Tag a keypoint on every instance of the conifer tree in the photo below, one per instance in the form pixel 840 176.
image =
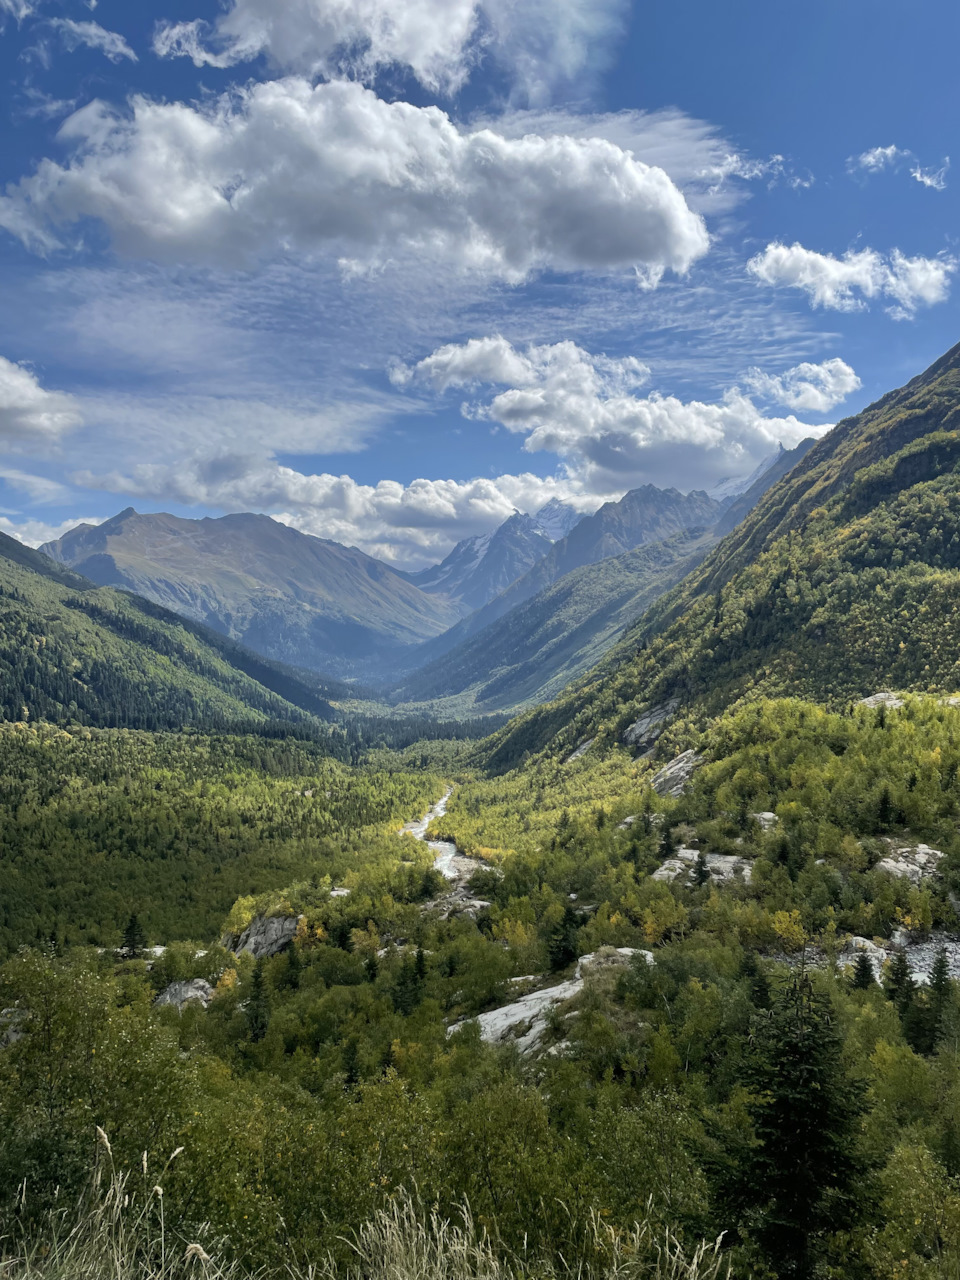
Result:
pixel 862 978
pixel 258 1006
pixel 134 938
pixel 798 1184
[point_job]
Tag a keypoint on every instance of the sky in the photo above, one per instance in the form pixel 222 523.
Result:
pixel 389 270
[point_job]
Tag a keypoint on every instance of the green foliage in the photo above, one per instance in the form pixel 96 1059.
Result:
pixel 98 825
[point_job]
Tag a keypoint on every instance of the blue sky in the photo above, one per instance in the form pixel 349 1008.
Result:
pixel 388 269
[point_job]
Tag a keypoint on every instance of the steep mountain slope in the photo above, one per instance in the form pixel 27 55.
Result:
pixel 844 579
pixel 74 652
pixel 744 503
pixel 641 516
pixel 477 569
pixel 530 653
pixel 289 596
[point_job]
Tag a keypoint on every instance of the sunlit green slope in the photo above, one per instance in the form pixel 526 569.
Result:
pixel 843 580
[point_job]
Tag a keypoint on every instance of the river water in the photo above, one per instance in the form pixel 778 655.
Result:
pixel 444 851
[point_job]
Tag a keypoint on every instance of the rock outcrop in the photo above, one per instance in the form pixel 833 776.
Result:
pixel 910 862
pixel 523 1022
pixel 722 867
pixel 264 936
pixel 882 699
pixel 180 994
pixel 674 777
pixel 647 728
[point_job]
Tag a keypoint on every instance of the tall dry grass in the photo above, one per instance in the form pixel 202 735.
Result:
pixel 119 1232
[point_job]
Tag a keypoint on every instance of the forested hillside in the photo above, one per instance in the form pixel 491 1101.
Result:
pixel 844 579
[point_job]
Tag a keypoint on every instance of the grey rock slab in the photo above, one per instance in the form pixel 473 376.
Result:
pixel 910 862
pixel 883 699
pixel 648 727
pixel 180 994
pixel 581 750
pixel 264 936
pixel 674 777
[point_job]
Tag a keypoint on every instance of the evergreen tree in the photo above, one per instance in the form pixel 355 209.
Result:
pixel 562 946
pixel 797 1184
pixel 899 984
pixel 667 845
pixel 862 978
pixel 134 938
pixel 701 872
pixel 294 967
pixel 258 1006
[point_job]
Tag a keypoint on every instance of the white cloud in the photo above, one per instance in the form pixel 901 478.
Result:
pixel 817 387
pixel 16 9
pixel 710 172
pixel 34 533
pixel 27 411
pixel 540 43
pixel 935 179
pixel 91 35
pixel 878 158
pixel 39 489
pixel 408 525
pixel 286 165
pixel 565 401
pixel 842 284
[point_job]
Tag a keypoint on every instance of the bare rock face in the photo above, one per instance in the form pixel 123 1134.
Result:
pixel 647 729
pixel 180 994
pixel 723 867
pixel 909 862
pixel 674 777
pixel 11 1026
pixel 264 936
pixel 523 1022
pixel 882 699
pixel 581 750
pixel 766 820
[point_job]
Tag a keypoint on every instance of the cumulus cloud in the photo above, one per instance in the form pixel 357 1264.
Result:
pixel 817 387
pixel 27 411
pixel 408 525
pixel 34 533
pixel 580 406
pixel 540 43
pixel 843 284
pixel 92 36
pixel 287 165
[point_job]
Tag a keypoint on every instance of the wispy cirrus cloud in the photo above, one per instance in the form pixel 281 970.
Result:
pixel 879 159
pixel 91 35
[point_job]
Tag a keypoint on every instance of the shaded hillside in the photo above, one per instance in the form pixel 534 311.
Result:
pixel 289 596
pixel 71 652
pixel 844 579
pixel 539 646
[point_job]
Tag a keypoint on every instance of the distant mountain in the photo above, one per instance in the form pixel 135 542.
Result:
pixel 541 644
pixel 75 653
pixel 477 569
pixel 773 471
pixel 292 597
pixel 640 517
pixel 556 519
pixel 733 486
